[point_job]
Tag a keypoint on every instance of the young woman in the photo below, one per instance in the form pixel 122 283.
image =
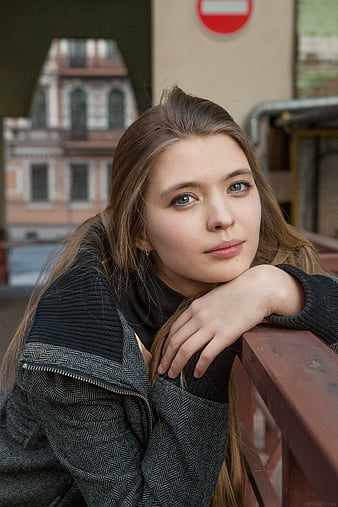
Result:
pixel 193 234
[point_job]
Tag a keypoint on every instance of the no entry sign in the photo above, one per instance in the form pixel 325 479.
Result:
pixel 224 17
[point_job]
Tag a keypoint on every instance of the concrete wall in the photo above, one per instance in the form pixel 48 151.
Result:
pixel 238 72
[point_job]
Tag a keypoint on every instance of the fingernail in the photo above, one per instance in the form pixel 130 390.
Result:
pixel 160 370
pixel 197 374
pixel 171 374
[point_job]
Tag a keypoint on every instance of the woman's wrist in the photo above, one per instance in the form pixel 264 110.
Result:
pixel 284 294
pixel 319 314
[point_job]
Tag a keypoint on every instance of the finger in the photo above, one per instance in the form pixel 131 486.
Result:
pixel 190 313
pixel 208 354
pixel 174 342
pixel 175 327
pixel 180 321
pixel 188 348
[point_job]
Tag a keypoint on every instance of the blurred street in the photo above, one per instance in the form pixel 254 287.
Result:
pixel 13 301
pixel 24 264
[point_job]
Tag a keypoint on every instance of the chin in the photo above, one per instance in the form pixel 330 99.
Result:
pixel 227 277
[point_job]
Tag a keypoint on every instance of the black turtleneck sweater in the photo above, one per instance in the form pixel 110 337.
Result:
pixel 147 306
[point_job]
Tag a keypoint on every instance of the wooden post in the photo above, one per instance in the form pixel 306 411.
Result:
pixel 296 490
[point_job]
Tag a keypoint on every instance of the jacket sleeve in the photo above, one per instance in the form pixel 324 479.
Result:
pixel 320 313
pixel 93 436
pixel 163 446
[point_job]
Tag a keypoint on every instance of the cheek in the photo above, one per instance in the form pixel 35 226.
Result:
pixel 249 209
pixel 254 213
pixel 167 233
pixel 250 219
pixel 258 216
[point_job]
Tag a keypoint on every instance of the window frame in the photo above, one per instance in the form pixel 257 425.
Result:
pixel 78 113
pixel 32 185
pixel 79 199
pixel 117 118
pixel 39 110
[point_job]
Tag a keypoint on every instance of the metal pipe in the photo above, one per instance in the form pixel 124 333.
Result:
pixel 273 108
pixel 329 114
pixel 295 135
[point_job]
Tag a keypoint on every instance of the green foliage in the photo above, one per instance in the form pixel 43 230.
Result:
pixel 318 17
pixel 309 80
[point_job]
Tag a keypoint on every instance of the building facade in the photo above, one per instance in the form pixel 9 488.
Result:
pixel 58 161
pixel 317 55
pixel 286 51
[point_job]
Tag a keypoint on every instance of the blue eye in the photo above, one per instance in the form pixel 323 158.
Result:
pixel 182 200
pixel 240 186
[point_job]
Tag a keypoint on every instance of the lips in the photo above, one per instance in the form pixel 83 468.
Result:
pixel 226 249
pixel 224 245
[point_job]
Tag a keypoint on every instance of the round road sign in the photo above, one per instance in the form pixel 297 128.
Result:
pixel 224 17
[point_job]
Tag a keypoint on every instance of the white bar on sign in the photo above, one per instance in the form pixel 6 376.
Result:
pixel 213 7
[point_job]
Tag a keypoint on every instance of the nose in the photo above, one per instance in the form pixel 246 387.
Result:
pixel 220 215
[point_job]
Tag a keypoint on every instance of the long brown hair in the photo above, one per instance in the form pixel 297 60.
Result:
pixel 115 230
pixel 229 490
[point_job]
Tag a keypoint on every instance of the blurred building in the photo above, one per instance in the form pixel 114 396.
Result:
pixel 58 161
pixel 283 63
pixel 317 52
pixel 56 172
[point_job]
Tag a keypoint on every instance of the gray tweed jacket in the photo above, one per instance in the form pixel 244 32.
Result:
pixel 82 426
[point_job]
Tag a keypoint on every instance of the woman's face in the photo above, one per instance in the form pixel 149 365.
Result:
pixel 203 214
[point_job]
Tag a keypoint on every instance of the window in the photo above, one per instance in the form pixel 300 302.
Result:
pixel 116 110
pixel 39 182
pixel 77 53
pixel 38 116
pixel 112 51
pixel 78 114
pixel 79 182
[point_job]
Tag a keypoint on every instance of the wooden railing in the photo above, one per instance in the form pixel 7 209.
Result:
pixel 288 403
pixel 287 384
pixel 290 380
pixel 328 250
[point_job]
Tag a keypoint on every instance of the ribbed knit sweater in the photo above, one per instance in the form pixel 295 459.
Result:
pixel 83 426
pixel 148 305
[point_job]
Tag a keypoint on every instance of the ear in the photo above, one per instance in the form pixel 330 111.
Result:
pixel 143 243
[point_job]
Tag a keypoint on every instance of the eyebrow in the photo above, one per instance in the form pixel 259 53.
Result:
pixel 198 184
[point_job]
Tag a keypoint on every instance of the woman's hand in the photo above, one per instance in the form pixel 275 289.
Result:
pixel 215 320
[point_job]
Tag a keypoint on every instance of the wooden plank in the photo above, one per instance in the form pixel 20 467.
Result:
pixel 296 489
pixel 330 261
pixel 297 377
pixel 325 243
pixel 245 398
pixel 265 494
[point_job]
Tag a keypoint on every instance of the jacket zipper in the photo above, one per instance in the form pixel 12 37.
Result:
pixel 60 371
